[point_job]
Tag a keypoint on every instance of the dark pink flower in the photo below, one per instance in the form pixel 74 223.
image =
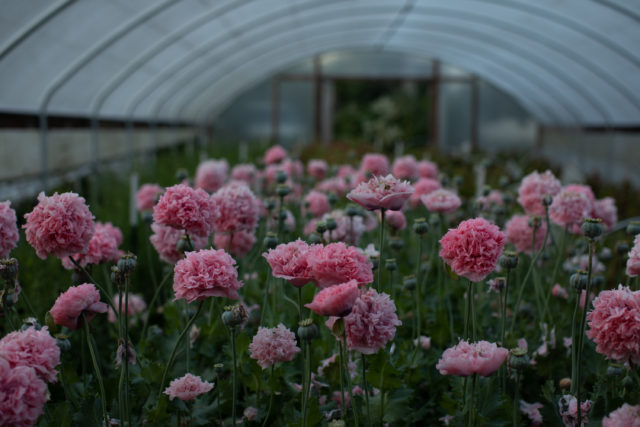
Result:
pixel 633 263
pixel 405 167
pixel 338 263
pixel 584 189
pixel 337 185
pixel 34 348
pixel 568 406
pixel 146 196
pixel 375 164
pixel 239 208
pixel 165 240
pixel 136 306
pixel 204 274
pixel 472 250
pixel 423 187
pixel 483 358
pixel 317 203
pixel 187 387
pixel 606 210
pixel 103 247
pixel 624 416
pixel 272 345
pixel 22 395
pixel 61 224
pixel 242 243
pixel 494 198
pixel 520 233
pixel 532 411
pixel 317 168
pixel 290 262
pixel 211 175
pixel 246 173
pixel 441 200
pixel 186 209
pixel 371 323
pixel 532 189
pixel 570 208
pixel 614 324
pixel 275 154
pixel 381 192
pixel 77 300
pixel 9 235
pixel 395 220
pixel 337 300
pixel 427 169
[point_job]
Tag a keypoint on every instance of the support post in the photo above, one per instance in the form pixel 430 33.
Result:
pixel 317 98
pixel 434 139
pixel 474 112
pixel 275 110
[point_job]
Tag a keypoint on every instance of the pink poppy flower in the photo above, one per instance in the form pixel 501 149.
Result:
pixel 187 387
pixel 570 208
pixel 483 358
pixel 211 175
pixel 424 342
pixel 375 164
pixel 422 187
pixel 559 292
pixel 444 201
pixel 250 413
pixel 568 406
pixel 165 240
pixel 290 262
pixel 103 247
pixel 77 300
pixel 186 209
pixel 533 188
pixel 472 250
pixel 335 300
pixel 61 224
pixel 206 273
pixel 427 169
pixel 34 348
pixel 317 203
pixel 22 395
pixel 9 235
pixel 405 167
pixel 633 263
pixel 136 306
pixel 242 243
pixel 395 219
pixel 272 345
pixel 606 210
pixel 494 198
pixel 239 208
pixel 381 192
pixel 532 411
pixel 624 416
pixel 275 154
pixel 520 234
pixel 146 196
pixel 246 173
pixel 338 263
pixel 317 168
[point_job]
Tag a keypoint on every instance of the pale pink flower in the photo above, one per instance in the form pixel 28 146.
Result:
pixel 520 234
pixel 343 227
pixel 136 306
pixel 317 203
pixel 568 406
pixel 211 175
pixel 472 250
pixel 375 164
pixel 614 324
pixel 186 209
pixel 423 341
pixel 444 201
pixel 272 345
pixel 633 263
pixel 246 173
pixel 22 395
pixel 381 192
pixel 494 198
pixel 584 189
pixel 187 387
pixel 427 169
pixel 422 187
pixel 533 188
pixel 569 208
pixel 567 342
pixel 532 411
pixel 483 358
pixel 103 247
pixel 317 168
pixel 77 300
pixel 559 292
pixel 206 273
pixel 581 262
pixel 61 224
pixel 523 344
pixel 395 220
pixel 624 416
pixel 371 323
pixel 290 261
pixel 274 154
pixel 338 263
pixel 9 235
pixel 239 208
pixel 165 240
pixel 606 210
pixel 129 352
pixel 337 300
pixel 405 167
pixel 345 171
pixel 114 231
pixel 241 244
pixel 146 196
pixel 250 413
pixel 34 348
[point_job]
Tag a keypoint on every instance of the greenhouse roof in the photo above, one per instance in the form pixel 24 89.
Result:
pixel 569 62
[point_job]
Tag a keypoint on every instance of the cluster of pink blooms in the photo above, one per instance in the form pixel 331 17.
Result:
pixel 246 173
pixel 520 234
pixel 275 154
pixel 405 167
pixel 317 168
pixel 76 301
pixel 570 207
pixel 614 326
pixel 317 203
pixel 146 196
pixel 165 240
pixel 204 274
pixel 103 247
pixel 272 345
pixel 633 263
pixel 211 175
pixel 472 250
pixel 22 395
pixel 33 348
pixel 534 187
pixel 442 201
pixel 188 209
pixel 61 225
pixel 494 198
pixel 187 387
pixel 568 406
pixel 238 208
pixel 464 359
pixel 136 305
pixel 9 235
pixel 381 192
pixel 422 187
pixel 344 229
pixel 624 416
pixel 336 184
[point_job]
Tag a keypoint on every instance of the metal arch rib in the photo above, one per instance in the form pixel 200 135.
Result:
pixel 33 26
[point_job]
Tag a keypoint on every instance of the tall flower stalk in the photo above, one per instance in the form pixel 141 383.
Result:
pixel 96 368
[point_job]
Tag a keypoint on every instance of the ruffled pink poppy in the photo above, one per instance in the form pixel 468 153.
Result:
pixel 381 192
pixel 204 274
pixel 9 235
pixel 335 300
pixel 482 358
pixel 76 301
pixel 290 262
pixel 187 387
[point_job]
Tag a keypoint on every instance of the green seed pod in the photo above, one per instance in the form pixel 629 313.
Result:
pixel 9 269
pixel 182 174
pixel 508 260
pixel 410 283
pixel 270 241
pixel 396 243
pixel 331 224
pixel 281 177
pixel 333 198
pixel 391 264
pixel 518 359
pixel 578 280
pixel 633 228
pixel 592 228
pixel 351 210
pixel 234 315
pixel 420 226
pixel 282 190
pixel 314 238
pixel 307 330
pixel 321 227
pixel 622 247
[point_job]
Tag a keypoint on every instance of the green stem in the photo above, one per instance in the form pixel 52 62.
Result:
pixel 559 255
pixel 418 288
pixel 474 327
pixel 264 299
pixel 342 402
pixel 96 367
pixel 306 380
pixel 175 348
pixel 235 375
pixel 366 390
pixel 95 282
pixel 300 303
pixel 382 215
pixel 467 315
pixel 350 387
pixel 152 303
pixel 574 343
pixel 126 348
pixel 472 417
pixel 516 400
pixel 264 423
pixel 582 326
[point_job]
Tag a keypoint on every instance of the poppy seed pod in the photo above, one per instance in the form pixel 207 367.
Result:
pixel 578 280
pixel 234 315
pixel 307 330
pixel 281 177
pixel 9 269
pixel 282 190
pixel 331 224
pixel 633 228
pixel 518 359
pixel 333 198
pixel 410 283
pixel 321 227
pixel 271 240
pixel 420 226
pixel 592 228
pixel 508 260
pixel 391 264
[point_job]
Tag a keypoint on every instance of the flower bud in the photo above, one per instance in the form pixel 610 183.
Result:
pixel 184 244
pixel 338 327
pixel 535 222
pixel 321 227
pixel 282 190
pixel 314 238
pixel 633 228
pixel 375 261
pixel 307 330
pixel 351 210
pixel 627 381
pixel 331 224
pixel 234 315
pixel 333 198
pixel 606 254
pixel 565 383
pixel 281 177
pixel 592 228
pixel 420 226
pixel 396 243
pixel 507 198
pixel 62 342
pixel 270 241
pixel 508 260
pixel 53 326
pixel 547 199
pixel 391 264
pixel 127 262
pixel 578 280
pixel 518 358
pixel 270 204
pixel 410 283
pixel 9 269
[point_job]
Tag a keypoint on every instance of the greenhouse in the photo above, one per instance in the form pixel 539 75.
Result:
pixel 320 213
